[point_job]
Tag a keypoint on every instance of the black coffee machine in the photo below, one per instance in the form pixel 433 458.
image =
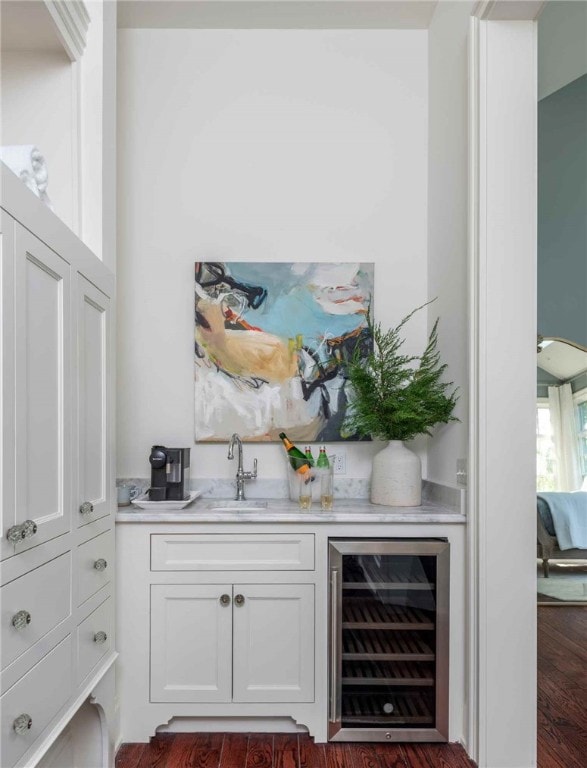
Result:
pixel 170 473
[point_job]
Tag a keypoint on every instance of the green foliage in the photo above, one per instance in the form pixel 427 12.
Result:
pixel 397 396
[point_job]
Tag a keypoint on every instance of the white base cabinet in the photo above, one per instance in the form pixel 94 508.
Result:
pixel 191 643
pixel 225 625
pixel 273 643
pixel 216 624
pixel 232 642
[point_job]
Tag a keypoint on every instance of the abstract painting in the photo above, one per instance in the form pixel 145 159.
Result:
pixel 271 340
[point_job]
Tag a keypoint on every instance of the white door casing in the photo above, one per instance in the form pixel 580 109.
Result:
pixel 502 290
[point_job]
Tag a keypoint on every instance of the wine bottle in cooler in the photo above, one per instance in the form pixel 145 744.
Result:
pixel 297 459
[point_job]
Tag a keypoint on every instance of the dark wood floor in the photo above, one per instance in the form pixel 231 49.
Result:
pixel 562 687
pixel 562 724
pixel 235 750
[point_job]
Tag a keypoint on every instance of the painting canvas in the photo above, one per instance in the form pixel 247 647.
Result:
pixel 271 340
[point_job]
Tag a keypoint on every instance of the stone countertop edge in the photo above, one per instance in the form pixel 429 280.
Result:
pixel 285 511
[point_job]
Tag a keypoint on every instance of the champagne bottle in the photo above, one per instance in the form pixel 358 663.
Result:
pixel 309 455
pixel 323 462
pixel 297 459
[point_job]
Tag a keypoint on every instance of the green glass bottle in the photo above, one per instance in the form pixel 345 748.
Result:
pixel 323 462
pixel 309 455
pixel 297 459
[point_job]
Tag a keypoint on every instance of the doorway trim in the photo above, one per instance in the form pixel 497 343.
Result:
pixel 501 691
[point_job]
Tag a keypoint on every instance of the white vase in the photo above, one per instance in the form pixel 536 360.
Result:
pixel 396 477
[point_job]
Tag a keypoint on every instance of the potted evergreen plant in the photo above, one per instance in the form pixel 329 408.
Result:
pixel 396 397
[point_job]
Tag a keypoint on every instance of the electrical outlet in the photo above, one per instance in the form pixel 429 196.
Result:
pixel 462 476
pixel 340 463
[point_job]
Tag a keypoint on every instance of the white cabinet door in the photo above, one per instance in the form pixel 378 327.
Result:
pixel 191 642
pixel 42 388
pixel 7 343
pixel 273 643
pixel 93 420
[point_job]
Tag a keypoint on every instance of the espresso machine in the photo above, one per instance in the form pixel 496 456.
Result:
pixel 170 473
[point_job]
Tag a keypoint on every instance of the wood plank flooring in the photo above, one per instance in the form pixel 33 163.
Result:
pixel 562 724
pixel 562 686
pixel 282 750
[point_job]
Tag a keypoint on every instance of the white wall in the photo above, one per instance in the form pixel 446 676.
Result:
pixel 32 84
pixel 258 145
pixel 562 53
pixel 91 149
pixel 447 219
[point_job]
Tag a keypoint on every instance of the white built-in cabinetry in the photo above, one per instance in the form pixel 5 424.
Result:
pixel 56 500
pixel 255 642
pixel 217 624
pixel 224 625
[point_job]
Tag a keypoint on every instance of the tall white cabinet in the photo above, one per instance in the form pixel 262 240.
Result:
pixel 57 485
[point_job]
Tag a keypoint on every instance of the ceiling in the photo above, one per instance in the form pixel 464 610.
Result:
pixel 28 26
pixel 562 360
pixel 276 14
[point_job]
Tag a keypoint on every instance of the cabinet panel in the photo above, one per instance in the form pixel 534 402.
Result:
pixel 191 643
pixel 273 643
pixel 93 333
pixel 40 694
pixel 7 343
pixel 45 595
pixel 224 552
pixel 94 638
pixel 42 388
pixel 95 563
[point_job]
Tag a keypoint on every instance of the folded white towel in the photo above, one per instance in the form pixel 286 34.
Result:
pixel 29 165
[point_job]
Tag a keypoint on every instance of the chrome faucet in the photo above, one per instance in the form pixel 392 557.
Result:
pixel 241 475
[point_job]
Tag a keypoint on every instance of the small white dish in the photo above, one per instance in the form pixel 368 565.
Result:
pixel 144 502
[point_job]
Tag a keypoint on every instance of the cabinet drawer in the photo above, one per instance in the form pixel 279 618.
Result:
pixel 90 645
pixel 95 562
pixel 40 694
pixel 45 595
pixel 227 552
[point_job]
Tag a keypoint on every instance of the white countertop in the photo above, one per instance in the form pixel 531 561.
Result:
pixel 285 511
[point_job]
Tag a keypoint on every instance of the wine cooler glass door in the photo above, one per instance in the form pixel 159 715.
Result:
pixel 389 640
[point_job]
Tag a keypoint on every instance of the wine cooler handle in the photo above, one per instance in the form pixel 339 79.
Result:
pixel 333 717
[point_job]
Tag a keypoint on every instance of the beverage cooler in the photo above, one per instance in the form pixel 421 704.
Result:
pixel 388 674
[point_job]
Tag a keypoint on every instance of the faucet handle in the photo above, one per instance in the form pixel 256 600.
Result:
pixel 251 475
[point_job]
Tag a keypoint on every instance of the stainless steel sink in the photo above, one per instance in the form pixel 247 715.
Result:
pixel 231 505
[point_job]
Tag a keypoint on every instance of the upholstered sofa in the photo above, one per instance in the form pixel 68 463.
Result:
pixel 548 548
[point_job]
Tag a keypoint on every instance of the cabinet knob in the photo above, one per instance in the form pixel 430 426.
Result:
pixel 21 619
pixel 22 724
pixel 225 600
pixel 86 508
pixel 239 599
pixel 100 637
pixel 29 528
pixel 15 534
pixel 100 564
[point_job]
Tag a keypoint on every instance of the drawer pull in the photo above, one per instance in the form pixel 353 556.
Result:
pixel 29 528
pixel 239 600
pixel 100 637
pixel 225 600
pixel 21 619
pixel 22 724
pixel 86 508
pixel 100 564
pixel 15 534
